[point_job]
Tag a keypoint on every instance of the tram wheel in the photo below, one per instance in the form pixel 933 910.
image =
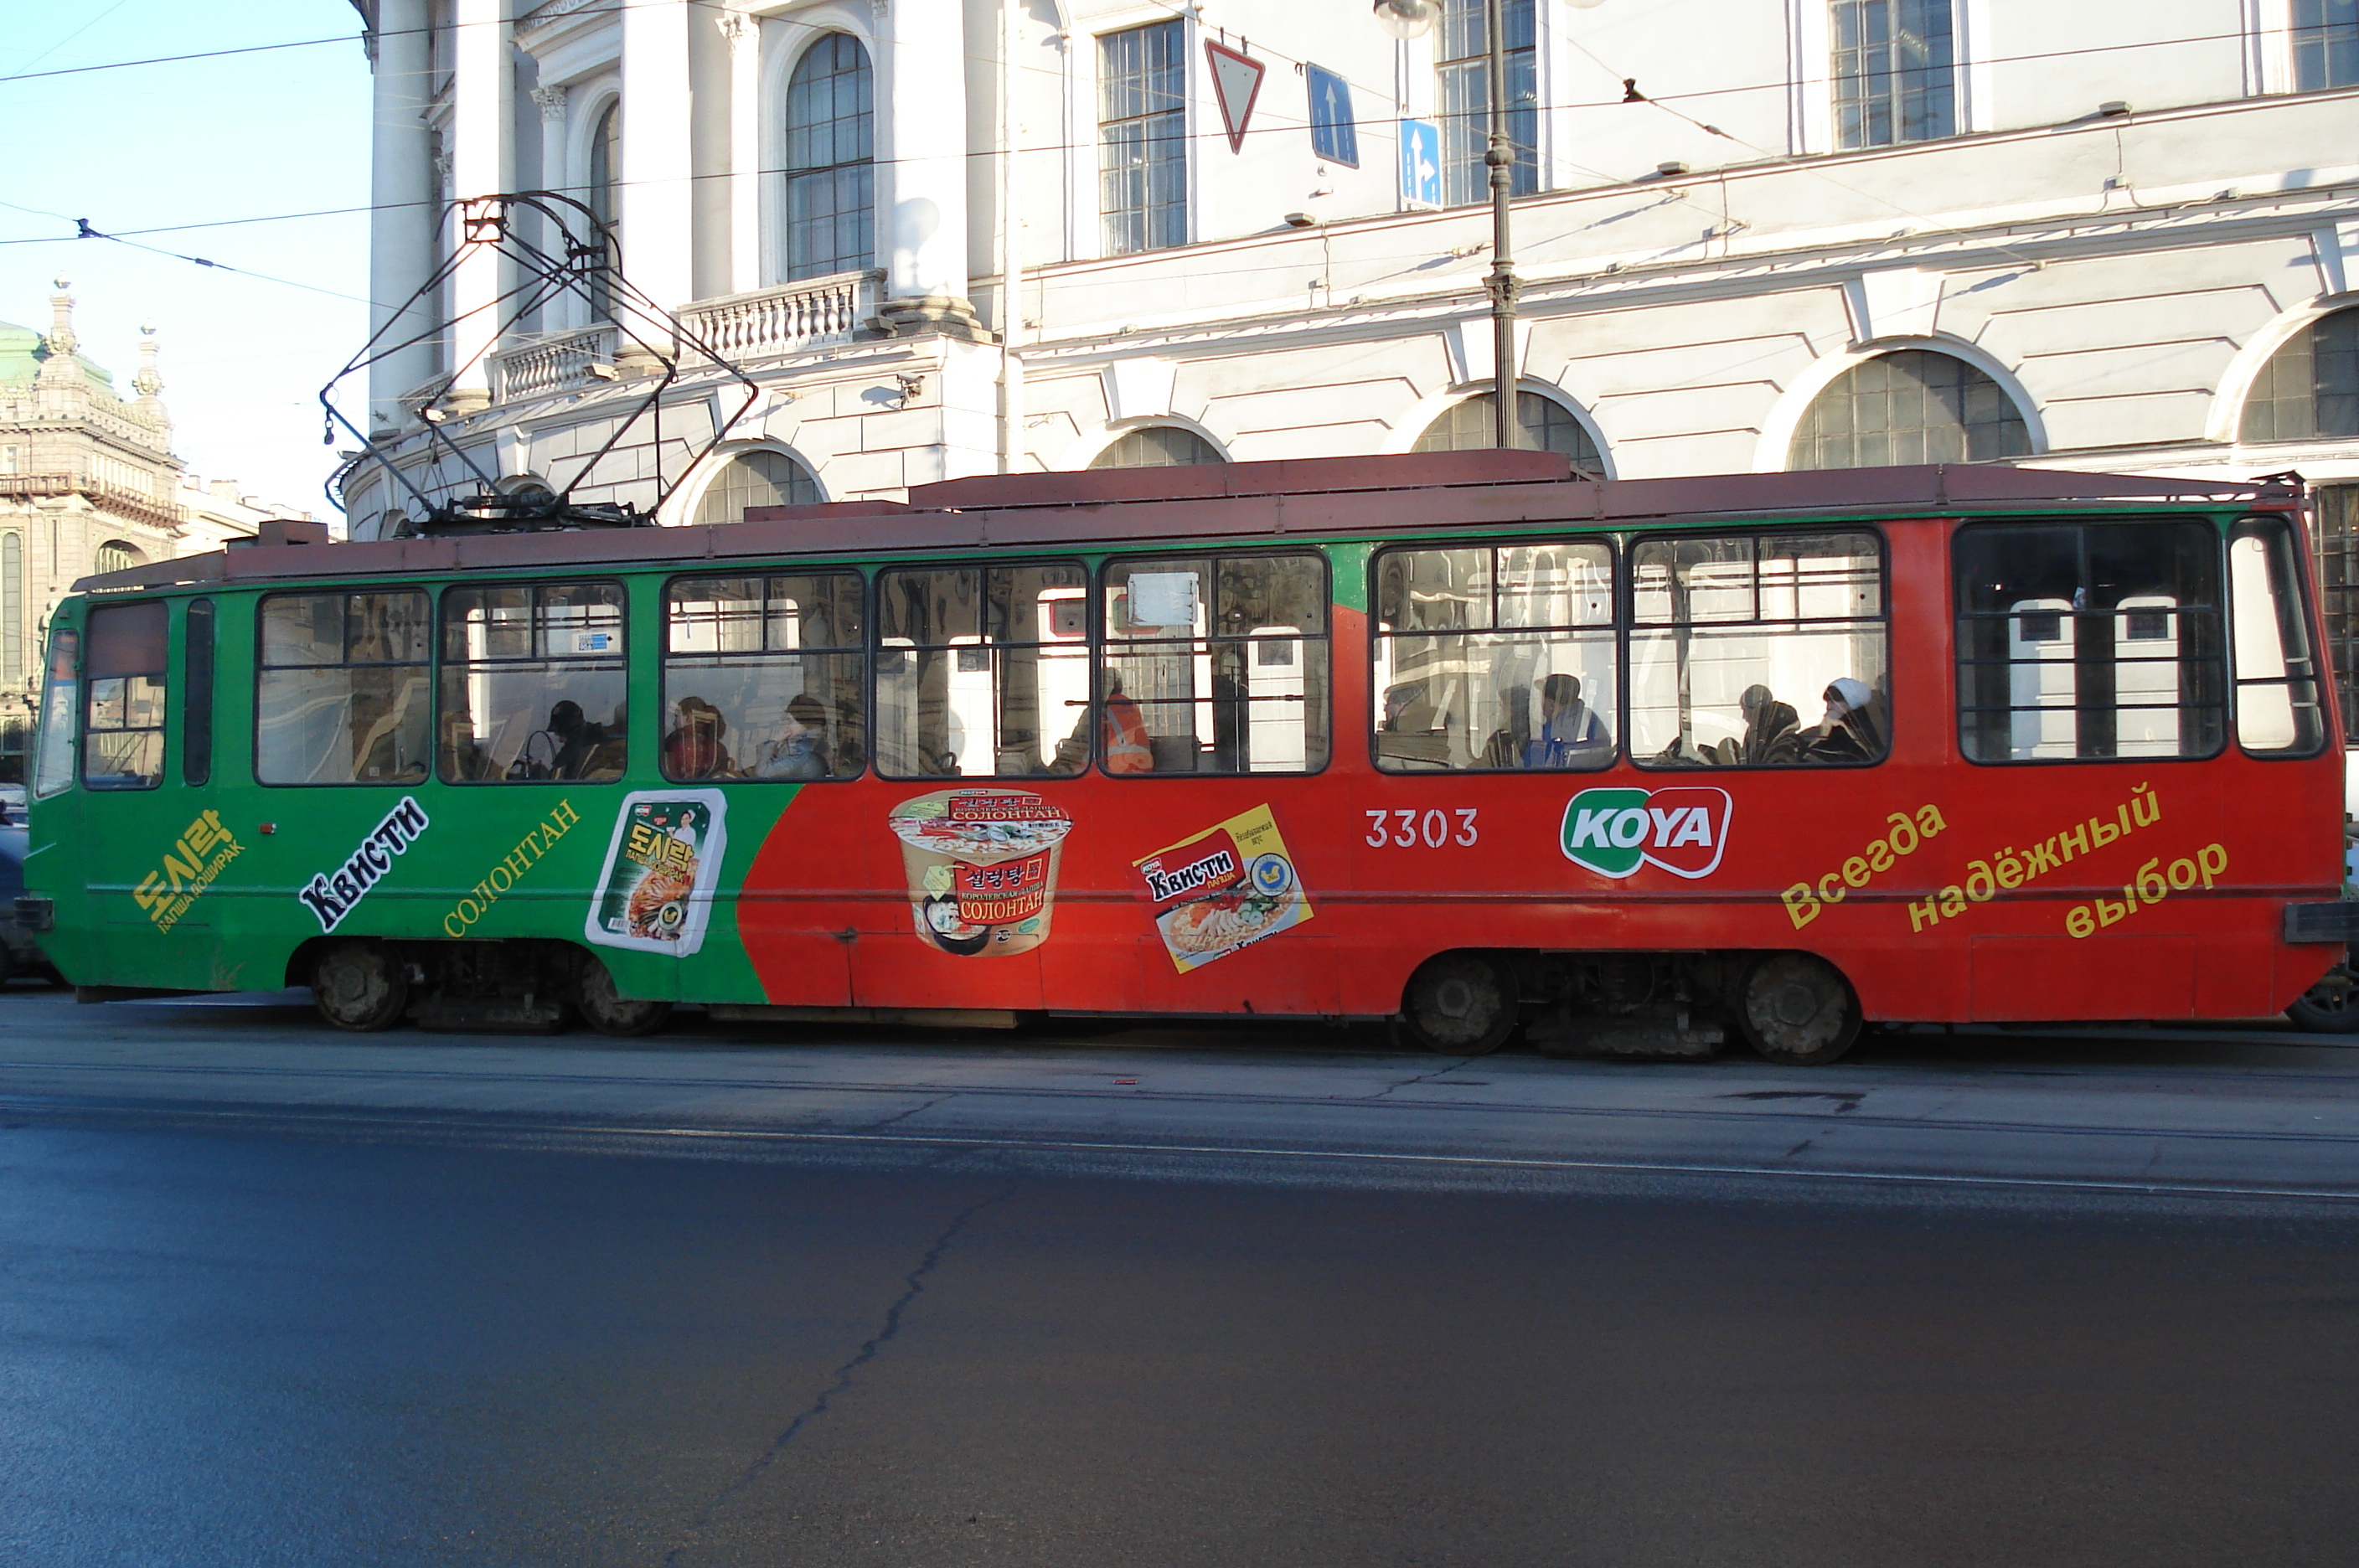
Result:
pixel 1461 1004
pixel 610 1012
pixel 1798 1010
pixel 360 985
pixel 2330 1006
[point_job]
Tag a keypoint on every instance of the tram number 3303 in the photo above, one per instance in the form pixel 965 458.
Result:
pixel 1406 828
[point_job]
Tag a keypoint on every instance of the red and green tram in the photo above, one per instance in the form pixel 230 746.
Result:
pixel 1455 739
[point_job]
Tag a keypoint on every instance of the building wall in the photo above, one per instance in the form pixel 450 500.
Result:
pixel 2123 275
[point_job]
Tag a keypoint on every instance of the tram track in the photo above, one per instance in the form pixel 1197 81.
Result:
pixel 622 1136
pixel 1846 1105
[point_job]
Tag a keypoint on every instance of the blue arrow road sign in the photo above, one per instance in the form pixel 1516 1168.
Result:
pixel 1420 163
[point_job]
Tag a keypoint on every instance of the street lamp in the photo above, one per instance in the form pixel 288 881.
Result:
pixel 1414 18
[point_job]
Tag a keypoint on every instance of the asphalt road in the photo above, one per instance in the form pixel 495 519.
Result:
pixel 271 1297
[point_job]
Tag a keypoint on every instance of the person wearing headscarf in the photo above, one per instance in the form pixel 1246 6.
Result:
pixel 1848 733
pixel 1773 731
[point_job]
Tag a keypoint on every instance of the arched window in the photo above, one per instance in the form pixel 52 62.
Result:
pixel 605 174
pixel 831 190
pixel 756 479
pixel 2310 387
pixel 1910 406
pixel 116 556
pixel 1468 424
pixel 1157 446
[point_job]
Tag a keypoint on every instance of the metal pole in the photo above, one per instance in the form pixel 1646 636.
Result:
pixel 1500 159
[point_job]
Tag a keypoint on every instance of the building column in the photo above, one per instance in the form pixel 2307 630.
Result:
pixel 657 196
pixel 559 313
pixel 402 221
pixel 744 36
pixel 921 170
pixel 482 114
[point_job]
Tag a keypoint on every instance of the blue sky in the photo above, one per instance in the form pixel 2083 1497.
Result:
pixel 167 146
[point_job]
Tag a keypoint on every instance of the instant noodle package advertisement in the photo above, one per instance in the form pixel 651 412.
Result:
pixel 1226 888
pixel 655 891
pixel 982 868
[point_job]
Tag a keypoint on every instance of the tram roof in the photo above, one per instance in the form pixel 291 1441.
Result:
pixel 1328 497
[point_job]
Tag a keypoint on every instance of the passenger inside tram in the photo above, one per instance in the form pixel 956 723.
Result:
pixel 1570 736
pixel 1849 732
pixel 1773 731
pixel 800 750
pixel 693 749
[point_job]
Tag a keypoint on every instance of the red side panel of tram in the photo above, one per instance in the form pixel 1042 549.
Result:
pixel 1944 890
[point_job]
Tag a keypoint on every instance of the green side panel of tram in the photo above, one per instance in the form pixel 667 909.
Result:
pixel 200 885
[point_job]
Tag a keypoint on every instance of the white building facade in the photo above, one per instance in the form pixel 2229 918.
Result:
pixel 1752 235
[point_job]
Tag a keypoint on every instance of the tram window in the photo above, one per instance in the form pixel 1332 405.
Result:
pixel 762 677
pixel 983 671
pixel 2277 706
pixel 197 701
pixel 1216 664
pixel 1494 657
pixel 123 716
pixel 2093 641
pixel 341 694
pixel 533 683
pixel 53 761
pixel 1736 640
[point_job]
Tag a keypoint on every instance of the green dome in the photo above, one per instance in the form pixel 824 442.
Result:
pixel 21 355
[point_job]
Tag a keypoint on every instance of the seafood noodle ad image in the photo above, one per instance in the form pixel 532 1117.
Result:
pixel 1226 888
pixel 655 891
pixel 982 868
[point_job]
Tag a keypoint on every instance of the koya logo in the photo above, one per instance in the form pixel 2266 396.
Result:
pixel 1613 832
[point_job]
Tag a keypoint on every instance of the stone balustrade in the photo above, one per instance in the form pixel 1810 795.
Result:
pixel 554 363
pixel 789 318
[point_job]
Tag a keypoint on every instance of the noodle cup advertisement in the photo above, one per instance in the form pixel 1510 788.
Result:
pixel 1227 889
pixel 982 868
pixel 655 891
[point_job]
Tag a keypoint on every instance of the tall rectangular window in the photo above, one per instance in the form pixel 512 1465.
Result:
pixel 533 683
pixel 1143 137
pixel 123 718
pixel 2277 706
pixel 53 766
pixel 1462 55
pixel 1895 71
pixel 12 607
pixel 2325 44
pixel 2089 641
pixel 1216 665
pixel 341 694
pixel 2337 522
pixel 830 179
pixel 763 677
pixel 197 694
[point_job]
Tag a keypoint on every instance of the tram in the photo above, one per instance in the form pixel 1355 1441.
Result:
pixel 1646 768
